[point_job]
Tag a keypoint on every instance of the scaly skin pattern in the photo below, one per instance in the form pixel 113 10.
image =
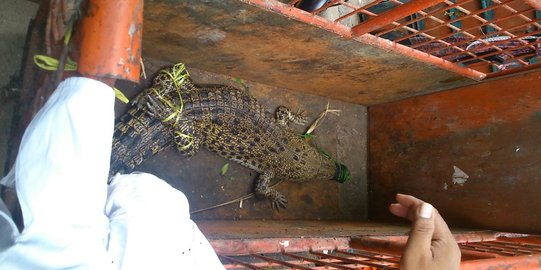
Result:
pixel 228 122
pixel 137 137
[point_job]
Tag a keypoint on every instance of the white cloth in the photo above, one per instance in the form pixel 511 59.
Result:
pixel 60 176
pixel 9 179
pixel 151 227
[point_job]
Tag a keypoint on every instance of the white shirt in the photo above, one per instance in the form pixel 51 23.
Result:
pixel 72 219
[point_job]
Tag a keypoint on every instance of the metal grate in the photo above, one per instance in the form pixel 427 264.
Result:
pixel 368 259
pixel 491 36
pixel 338 259
pixel 503 248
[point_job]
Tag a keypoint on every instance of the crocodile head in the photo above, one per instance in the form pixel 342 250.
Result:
pixel 341 173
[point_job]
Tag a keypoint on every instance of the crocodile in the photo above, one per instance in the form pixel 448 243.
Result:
pixel 228 122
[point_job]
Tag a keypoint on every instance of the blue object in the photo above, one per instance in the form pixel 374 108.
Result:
pixel 311 5
pixel 488 15
pixel 453 14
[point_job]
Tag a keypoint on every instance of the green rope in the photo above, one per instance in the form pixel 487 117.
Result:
pixel 49 63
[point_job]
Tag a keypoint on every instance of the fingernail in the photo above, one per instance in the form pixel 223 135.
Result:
pixel 426 210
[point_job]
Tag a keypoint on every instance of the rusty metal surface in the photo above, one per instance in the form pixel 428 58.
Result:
pixel 257 229
pixel 266 236
pixel 238 39
pixel 200 177
pixel 483 37
pixel 239 242
pixel 490 131
pixel 276 245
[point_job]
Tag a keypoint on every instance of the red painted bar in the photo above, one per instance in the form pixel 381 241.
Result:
pixel 504 263
pixel 534 3
pixel 235 247
pixel 115 50
pixel 393 15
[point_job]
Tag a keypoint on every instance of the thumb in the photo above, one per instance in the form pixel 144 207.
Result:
pixel 420 238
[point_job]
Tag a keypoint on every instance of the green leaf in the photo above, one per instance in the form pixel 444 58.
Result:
pixel 224 169
pixel 240 81
pixel 243 83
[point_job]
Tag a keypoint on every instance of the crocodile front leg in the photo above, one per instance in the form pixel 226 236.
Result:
pixel 262 188
pixel 187 139
pixel 284 116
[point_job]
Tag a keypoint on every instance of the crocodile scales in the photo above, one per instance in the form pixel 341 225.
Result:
pixel 225 120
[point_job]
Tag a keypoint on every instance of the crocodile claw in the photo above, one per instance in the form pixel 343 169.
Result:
pixel 279 201
pixel 301 118
pixel 155 108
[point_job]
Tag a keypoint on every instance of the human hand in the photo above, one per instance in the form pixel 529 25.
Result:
pixel 430 246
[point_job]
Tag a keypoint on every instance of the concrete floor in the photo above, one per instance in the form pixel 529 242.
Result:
pixel 15 15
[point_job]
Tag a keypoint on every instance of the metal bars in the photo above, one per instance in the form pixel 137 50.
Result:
pixel 338 259
pixel 503 248
pixel 489 36
pixel 509 252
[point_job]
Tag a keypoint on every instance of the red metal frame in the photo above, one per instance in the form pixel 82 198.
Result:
pixel 491 56
pixel 480 250
pixel 393 15
pixel 344 31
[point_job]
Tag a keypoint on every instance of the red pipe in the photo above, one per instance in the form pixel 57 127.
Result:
pixel 514 70
pixel 534 3
pixel 111 39
pixel 392 16
pixel 421 56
